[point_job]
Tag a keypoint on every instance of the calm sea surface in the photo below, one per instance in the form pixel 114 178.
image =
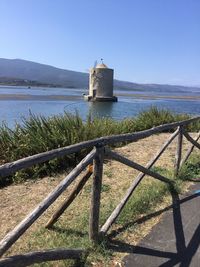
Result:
pixel 18 102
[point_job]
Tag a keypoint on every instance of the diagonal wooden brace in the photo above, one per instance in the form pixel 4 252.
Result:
pixel 189 151
pixel 189 138
pixel 66 203
pixel 116 212
pixel 134 165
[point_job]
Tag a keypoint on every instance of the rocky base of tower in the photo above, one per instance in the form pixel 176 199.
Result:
pixel 100 99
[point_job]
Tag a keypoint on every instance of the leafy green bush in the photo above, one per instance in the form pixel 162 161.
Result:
pixel 155 117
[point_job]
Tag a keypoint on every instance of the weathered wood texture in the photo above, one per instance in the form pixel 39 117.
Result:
pixel 189 151
pixel 132 164
pixel 190 139
pixel 69 200
pixel 41 256
pixel 17 165
pixel 12 236
pixel 179 151
pixel 96 196
pixel 12 167
pixel 116 212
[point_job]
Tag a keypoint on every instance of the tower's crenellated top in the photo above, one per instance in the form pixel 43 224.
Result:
pixel 101 66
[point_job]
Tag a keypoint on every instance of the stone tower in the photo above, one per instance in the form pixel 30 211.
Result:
pixel 101 84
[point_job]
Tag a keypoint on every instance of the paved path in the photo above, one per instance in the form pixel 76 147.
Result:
pixel 175 240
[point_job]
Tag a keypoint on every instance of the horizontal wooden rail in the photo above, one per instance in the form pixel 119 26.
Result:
pixel 20 164
pixel 12 167
pixel 41 256
pixel 12 236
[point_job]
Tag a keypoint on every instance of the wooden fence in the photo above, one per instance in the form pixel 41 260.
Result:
pixel 95 161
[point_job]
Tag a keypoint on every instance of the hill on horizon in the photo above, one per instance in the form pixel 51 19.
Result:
pixel 45 74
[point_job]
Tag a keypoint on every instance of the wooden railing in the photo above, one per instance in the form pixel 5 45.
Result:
pixel 95 161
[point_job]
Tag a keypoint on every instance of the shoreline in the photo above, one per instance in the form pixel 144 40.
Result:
pixel 178 97
pixel 16 97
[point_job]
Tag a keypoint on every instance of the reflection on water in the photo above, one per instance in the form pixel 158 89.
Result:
pixel 101 109
pixel 129 107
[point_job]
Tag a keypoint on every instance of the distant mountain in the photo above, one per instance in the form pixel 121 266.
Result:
pixel 22 82
pixel 37 74
pixel 23 69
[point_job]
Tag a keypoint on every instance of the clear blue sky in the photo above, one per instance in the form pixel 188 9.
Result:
pixel 145 41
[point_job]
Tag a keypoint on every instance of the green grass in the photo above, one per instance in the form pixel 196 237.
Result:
pixel 191 169
pixel 38 134
pixel 146 196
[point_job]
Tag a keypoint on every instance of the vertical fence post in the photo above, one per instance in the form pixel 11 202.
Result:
pixel 178 151
pixel 96 196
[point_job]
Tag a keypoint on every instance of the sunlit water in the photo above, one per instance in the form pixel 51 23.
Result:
pixel 12 111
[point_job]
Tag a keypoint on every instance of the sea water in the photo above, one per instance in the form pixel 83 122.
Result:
pixel 19 102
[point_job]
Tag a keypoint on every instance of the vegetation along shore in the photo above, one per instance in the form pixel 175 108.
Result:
pixel 38 134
